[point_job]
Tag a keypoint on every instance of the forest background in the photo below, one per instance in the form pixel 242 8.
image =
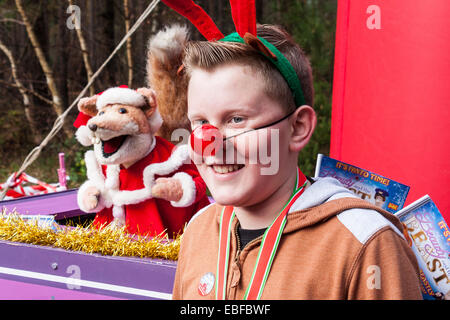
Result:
pixel 44 65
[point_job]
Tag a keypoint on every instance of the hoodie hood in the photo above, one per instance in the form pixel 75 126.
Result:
pixel 326 198
pixel 321 191
pixel 359 216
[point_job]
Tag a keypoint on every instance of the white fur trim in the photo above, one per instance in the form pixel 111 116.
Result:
pixel 176 160
pixel 125 197
pixel 122 96
pixel 189 190
pixel 109 187
pixel 95 179
pixel 94 171
pixel 119 216
pixel 112 177
pixel 84 136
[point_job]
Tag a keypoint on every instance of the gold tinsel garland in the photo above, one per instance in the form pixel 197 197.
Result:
pixel 106 241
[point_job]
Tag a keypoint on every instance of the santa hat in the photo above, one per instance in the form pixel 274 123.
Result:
pixel 83 134
pixel 121 95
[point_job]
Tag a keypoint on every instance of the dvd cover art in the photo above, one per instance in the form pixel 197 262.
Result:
pixel 377 189
pixel 429 238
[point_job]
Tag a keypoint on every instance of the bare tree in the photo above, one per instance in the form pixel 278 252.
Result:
pixel 23 91
pixel 126 9
pixel 85 54
pixel 51 83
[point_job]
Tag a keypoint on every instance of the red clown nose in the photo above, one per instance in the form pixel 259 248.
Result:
pixel 205 139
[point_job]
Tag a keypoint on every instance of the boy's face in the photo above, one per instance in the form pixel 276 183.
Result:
pixel 255 164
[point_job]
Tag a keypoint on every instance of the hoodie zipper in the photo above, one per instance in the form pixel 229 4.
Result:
pixel 238 241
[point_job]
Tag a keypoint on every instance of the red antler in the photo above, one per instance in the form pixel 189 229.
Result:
pixel 199 18
pixel 244 16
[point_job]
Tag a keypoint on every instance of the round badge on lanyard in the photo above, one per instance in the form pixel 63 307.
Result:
pixel 206 284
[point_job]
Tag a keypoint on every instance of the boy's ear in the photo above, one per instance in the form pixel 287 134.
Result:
pixel 150 95
pixel 88 105
pixel 302 127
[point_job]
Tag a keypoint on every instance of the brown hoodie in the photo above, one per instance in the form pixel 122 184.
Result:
pixel 335 250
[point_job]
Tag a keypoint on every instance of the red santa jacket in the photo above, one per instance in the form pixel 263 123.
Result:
pixel 154 216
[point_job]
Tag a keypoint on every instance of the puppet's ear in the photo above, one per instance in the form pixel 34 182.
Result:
pixel 88 105
pixel 150 96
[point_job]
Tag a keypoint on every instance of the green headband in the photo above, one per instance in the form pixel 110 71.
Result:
pixel 281 63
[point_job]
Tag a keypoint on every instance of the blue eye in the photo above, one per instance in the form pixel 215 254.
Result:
pixel 198 123
pixel 237 120
pixel 201 122
pixel 101 113
pixel 122 110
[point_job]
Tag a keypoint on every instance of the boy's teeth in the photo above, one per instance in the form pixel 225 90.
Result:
pixel 226 168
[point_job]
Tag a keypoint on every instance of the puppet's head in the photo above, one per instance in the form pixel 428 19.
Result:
pixel 121 124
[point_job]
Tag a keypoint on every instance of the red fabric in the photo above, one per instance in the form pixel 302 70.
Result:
pixel 81 120
pixel 244 16
pixel 391 95
pixel 199 18
pixel 153 216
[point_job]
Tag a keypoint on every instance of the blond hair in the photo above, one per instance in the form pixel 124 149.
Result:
pixel 208 55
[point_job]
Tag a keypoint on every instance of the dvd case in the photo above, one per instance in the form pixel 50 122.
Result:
pixel 429 238
pixel 377 189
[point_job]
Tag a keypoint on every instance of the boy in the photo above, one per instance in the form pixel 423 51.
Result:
pixel 330 245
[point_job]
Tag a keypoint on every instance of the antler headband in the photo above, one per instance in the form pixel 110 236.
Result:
pixel 244 18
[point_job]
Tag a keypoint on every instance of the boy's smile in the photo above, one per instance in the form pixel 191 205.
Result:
pixel 232 98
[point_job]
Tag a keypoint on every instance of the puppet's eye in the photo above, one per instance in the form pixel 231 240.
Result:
pixel 122 110
pixel 101 113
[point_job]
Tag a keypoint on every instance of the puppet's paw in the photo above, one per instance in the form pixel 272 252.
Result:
pixel 169 189
pixel 90 198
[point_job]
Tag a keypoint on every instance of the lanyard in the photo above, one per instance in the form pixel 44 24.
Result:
pixel 267 250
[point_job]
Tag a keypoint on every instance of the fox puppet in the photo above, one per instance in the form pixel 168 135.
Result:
pixel 135 177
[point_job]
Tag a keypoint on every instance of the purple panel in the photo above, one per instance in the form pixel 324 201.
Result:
pixel 130 278
pixel 14 290
pixel 63 204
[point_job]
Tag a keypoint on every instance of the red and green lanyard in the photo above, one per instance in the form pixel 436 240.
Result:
pixel 267 250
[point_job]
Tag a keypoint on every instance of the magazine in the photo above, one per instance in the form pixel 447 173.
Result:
pixel 429 237
pixel 378 190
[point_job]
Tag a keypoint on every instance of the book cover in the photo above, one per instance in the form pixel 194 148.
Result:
pixel 377 189
pixel 429 238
